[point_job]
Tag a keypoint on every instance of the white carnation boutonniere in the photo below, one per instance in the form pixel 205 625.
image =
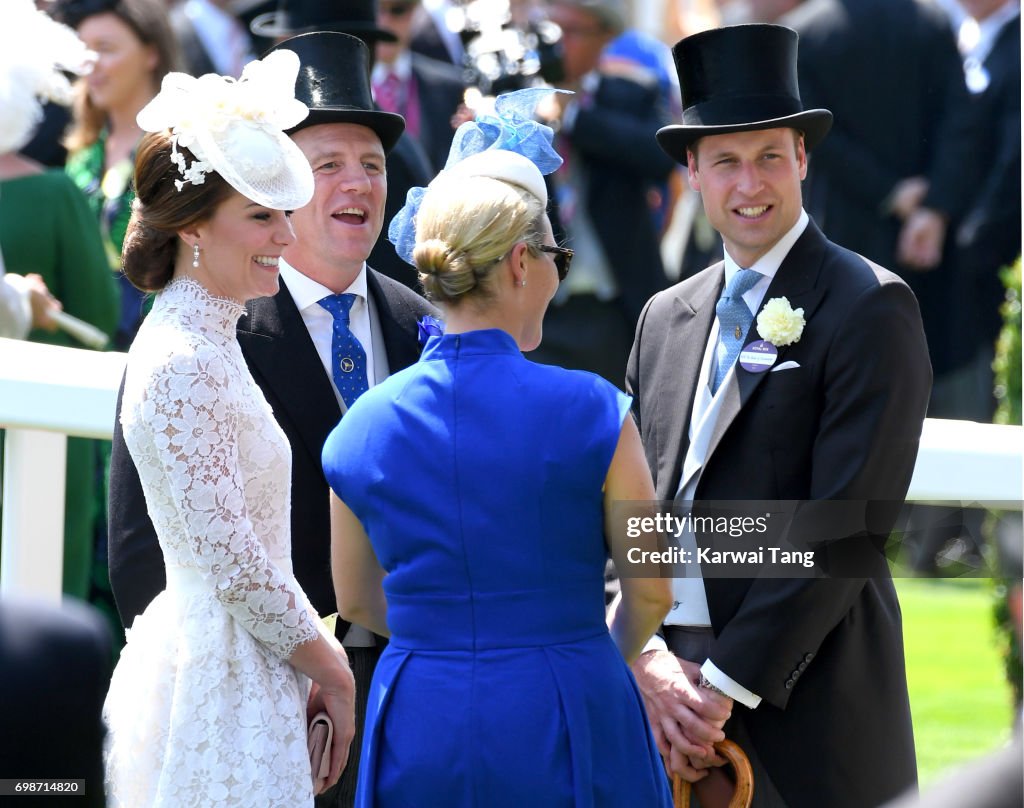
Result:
pixel 779 323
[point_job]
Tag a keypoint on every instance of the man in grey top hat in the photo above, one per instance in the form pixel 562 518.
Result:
pixel 828 405
pixel 288 342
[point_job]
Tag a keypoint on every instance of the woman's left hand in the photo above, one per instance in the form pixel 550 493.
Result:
pixel 338 701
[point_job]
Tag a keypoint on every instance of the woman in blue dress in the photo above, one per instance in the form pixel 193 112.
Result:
pixel 472 492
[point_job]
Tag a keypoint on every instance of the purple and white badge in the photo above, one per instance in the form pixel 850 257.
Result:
pixel 758 356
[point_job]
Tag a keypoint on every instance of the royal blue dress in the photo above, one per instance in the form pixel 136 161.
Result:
pixel 477 475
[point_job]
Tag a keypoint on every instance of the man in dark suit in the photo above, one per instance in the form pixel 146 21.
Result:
pixel 286 340
pixel 814 666
pixel 990 236
pixel 424 91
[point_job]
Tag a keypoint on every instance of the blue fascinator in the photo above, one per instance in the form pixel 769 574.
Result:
pixel 511 128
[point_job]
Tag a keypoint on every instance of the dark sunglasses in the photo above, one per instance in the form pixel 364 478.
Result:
pixel 563 258
pixel 395 9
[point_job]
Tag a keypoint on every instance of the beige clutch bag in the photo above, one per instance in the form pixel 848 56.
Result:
pixel 321 734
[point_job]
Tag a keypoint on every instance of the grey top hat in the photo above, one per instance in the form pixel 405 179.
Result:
pixel 292 17
pixel 739 79
pixel 334 82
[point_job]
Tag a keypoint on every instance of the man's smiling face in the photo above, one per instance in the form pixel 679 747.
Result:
pixel 750 185
pixel 340 225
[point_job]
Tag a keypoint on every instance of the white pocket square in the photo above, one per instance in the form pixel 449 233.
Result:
pixel 785 366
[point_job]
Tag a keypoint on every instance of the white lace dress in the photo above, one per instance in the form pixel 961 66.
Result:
pixel 204 710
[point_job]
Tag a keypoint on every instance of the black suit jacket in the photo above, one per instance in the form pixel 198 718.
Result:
pixel 284 362
pixel 440 87
pixel 408 167
pixel 825 655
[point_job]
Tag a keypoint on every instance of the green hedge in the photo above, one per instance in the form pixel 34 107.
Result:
pixel 1007 367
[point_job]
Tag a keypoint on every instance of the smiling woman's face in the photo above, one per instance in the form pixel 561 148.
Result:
pixel 239 249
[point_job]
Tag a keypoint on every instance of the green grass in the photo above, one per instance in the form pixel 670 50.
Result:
pixel 959 697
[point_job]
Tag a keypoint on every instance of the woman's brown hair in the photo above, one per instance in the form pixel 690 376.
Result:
pixel 160 210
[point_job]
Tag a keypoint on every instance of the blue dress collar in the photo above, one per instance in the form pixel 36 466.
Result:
pixel 470 343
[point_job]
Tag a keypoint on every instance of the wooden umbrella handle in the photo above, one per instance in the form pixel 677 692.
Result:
pixel 743 792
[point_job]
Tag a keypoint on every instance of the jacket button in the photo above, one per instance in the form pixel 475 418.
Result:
pixel 789 684
pixel 795 675
pixel 808 657
pixel 802 666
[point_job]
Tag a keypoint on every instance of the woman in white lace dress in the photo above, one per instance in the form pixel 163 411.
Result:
pixel 208 705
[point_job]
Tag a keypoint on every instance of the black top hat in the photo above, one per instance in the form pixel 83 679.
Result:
pixel 739 79
pixel 334 82
pixel 355 17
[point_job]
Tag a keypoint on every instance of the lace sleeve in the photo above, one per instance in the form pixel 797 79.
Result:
pixel 194 426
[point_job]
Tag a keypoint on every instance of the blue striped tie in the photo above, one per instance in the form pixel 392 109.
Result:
pixel 348 359
pixel 734 319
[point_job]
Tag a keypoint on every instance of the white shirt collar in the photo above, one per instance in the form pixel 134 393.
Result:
pixel 769 263
pixel 401 67
pixel 307 292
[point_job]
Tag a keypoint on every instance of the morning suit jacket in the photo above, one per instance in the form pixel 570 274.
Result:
pixel 613 137
pixel 283 361
pixel 826 656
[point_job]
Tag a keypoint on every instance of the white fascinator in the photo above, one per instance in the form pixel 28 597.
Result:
pixel 35 51
pixel 236 128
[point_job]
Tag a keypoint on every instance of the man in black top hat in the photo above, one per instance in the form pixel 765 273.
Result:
pixel 408 164
pixel 828 406
pixel 287 342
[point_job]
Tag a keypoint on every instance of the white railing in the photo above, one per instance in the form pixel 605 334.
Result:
pixel 48 393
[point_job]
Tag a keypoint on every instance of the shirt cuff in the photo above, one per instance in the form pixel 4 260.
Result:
pixel 656 643
pixel 730 687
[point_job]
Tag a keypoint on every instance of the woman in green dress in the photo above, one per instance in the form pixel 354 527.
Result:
pixel 135 48
pixel 47 229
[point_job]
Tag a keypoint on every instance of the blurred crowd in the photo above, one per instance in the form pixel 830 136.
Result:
pixel 921 173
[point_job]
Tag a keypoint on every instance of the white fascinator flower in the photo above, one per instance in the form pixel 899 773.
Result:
pixel 236 128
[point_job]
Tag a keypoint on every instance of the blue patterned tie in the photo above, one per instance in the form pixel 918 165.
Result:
pixel 348 359
pixel 734 319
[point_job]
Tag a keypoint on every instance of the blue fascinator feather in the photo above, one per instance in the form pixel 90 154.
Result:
pixel 511 128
